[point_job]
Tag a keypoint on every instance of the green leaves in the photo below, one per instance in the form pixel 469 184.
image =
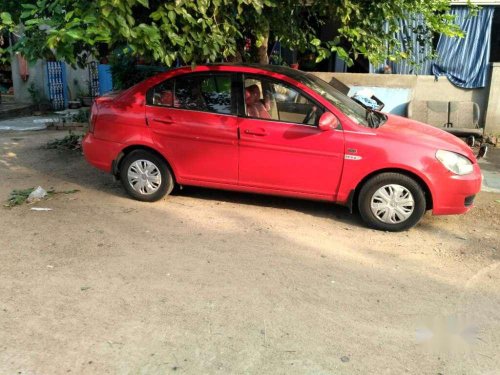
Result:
pixel 144 3
pixel 210 30
pixel 171 16
pixel 316 42
pixel 6 18
pixel 106 11
pixel 74 34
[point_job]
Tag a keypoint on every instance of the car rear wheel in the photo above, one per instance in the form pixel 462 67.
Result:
pixel 392 202
pixel 145 176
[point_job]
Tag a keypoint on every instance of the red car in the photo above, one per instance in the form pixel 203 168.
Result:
pixel 274 130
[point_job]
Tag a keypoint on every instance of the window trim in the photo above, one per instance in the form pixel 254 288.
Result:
pixel 243 104
pixel 234 97
pixel 150 93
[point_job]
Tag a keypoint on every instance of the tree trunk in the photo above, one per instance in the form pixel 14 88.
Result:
pixel 237 58
pixel 262 50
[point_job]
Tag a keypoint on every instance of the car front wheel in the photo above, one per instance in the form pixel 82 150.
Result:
pixel 391 202
pixel 145 176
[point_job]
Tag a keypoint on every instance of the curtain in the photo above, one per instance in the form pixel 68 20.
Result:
pixel 465 60
pixel 408 39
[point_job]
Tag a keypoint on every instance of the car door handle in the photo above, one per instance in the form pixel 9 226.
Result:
pixel 167 120
pixel 259 132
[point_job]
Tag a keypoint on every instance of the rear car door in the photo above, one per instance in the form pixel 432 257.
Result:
pixel 193 121
pixel 281 146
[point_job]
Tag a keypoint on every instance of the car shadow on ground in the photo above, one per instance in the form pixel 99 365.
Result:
pixel 314 208
pixel 70 167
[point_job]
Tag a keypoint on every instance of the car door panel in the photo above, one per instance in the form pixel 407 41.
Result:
pixel 281 148
pixel 287 156
pixel 202 144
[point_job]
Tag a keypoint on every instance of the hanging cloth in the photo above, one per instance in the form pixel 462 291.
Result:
pixel 24 71
pixel 465 60
pixel 421 48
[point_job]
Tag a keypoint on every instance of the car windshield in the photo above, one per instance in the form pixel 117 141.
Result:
pixel 349 107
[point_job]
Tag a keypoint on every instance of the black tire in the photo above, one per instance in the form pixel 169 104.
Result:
pixel 374 184
pixel 167 181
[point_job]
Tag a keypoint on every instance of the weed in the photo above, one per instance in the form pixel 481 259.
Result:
pixel 18 197
pixel 66 191
pixel 71 142
pixel 82 115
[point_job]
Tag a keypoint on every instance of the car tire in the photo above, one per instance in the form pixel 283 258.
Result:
pixel 391 202
pixel 145 176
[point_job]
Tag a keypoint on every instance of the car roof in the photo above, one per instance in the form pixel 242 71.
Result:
pixel 290 74
pixel 278 69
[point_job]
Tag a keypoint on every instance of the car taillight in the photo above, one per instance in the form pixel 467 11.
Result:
pixel 93 117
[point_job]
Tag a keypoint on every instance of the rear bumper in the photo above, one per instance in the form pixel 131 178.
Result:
pixel 455 194
pixel 100 153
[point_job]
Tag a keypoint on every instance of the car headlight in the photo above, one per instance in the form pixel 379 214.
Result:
pixel 454 162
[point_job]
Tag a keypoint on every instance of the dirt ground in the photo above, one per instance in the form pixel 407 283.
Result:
pixel 211 282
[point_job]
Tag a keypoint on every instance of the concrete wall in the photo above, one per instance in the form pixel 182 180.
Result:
pixel 420 88
pixel 493 112
pixel 427 88
pixel 77 80
pixel 38 75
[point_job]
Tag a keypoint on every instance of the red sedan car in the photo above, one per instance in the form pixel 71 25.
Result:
pixel 274 130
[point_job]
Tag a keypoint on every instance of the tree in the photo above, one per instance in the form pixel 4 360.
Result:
pixel 196 31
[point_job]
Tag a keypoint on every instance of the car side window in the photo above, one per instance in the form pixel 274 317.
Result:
pixel 208 93
pixel 162 94
pixel 269 99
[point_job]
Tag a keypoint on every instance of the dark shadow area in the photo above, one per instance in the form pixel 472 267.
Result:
pixel 76 170
pixel 492 160
pixel 323 209
pixel 400 109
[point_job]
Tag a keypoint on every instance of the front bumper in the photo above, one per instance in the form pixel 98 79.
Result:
pixel 453 194
pixel 100 153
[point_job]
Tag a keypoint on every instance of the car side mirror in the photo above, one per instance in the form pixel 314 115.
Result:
pixel 328 121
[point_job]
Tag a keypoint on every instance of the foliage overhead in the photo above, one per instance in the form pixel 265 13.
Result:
pixel 196 31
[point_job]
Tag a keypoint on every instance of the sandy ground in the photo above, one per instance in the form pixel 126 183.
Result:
pixel 210 282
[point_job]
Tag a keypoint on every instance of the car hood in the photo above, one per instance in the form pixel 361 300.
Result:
pixel 415 132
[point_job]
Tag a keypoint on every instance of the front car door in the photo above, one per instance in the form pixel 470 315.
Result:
pixel 281 147
pixel 193 121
